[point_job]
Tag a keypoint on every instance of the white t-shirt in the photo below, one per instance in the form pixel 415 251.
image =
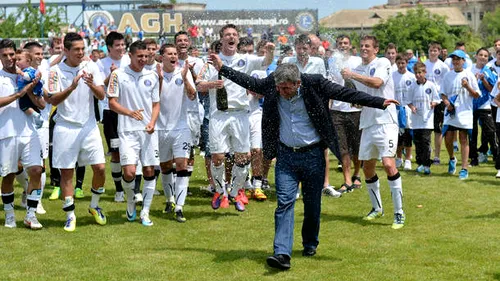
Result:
pixel 14 123
pixel 236 95
pixel 436 72
pixel 43 68
pixel 253 99
pixel 351 63
pixel 134 90
pixel 421 96
pixel 451 86
pixel 380 68
pixel 193 105
pixel 174 101
pixel 402 85
pixel 78 108
pixel 314 65
pixel 105 67
pixel 151 67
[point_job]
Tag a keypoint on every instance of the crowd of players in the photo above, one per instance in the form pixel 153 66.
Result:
pixel 157 102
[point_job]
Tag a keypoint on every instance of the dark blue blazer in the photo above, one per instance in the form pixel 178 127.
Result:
pixel 316 92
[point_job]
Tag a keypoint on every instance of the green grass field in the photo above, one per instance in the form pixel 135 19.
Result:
pixel 454 235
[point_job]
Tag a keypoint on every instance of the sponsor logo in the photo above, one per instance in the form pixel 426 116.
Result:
pixel 305 21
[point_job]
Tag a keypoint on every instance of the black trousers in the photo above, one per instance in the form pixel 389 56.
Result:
pixel 422 140
pixel 488 136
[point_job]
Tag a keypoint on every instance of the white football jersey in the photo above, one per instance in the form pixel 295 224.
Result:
pixel 237 95
pixel 421 96
pixel 402 84
pixel 14 123
pixel 134 90
pixel 314 65
pixel 451 86
pixel 78 108
pixel 435 72
pixel 380 68
pixel 105 68
pixel 174 101
pixel 253 99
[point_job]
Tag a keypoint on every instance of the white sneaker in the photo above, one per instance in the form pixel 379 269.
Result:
pixel 498 174
pixel 298 195
pixel 399 162
pixel 330 191
pixel 30 221
pixel 119 196
pixel 145 219
pixel 24 200
pixel 138 198
pixel 10 220
pixel 482 158
pixel 407 165
pixel 39 209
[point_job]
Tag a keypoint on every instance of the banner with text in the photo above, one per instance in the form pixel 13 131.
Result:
pixel 170 22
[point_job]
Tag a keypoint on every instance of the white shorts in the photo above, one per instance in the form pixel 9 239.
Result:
pixel 43 136
pixel 26 149
pixel 194 123
pixel 139 146
pixel 377 141
pixel 76 144
pixel 229 131
pixel 174 144
pixel 256 130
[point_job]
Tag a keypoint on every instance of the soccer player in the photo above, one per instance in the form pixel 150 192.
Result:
pixel 116 59
pixel 380 129
pixel 468 62
pixel 194 108
pixel 391 51
pixel 403 80
pixel 458 89
pixel 152 48
pixel 345 118
pixel 72 85
pixel 174 135
pixel 18 140
pixel 423 97
pixel 436 69
pixel 487 78
pixel 133 94
pixel 229 123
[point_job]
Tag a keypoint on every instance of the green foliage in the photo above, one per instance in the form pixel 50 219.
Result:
pixel 490 26
pixel 25 22
pixel 418 27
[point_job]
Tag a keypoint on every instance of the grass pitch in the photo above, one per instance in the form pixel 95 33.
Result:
pixel 451 233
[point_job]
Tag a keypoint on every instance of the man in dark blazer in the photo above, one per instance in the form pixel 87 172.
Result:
pixel 297 127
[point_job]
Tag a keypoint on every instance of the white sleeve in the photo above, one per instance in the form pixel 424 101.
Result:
pixel 383 70
pixel 97 75
pixel 255 63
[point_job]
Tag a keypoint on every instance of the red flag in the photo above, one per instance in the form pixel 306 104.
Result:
pixel 42 7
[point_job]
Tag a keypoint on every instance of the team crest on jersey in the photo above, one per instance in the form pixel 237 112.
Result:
pixel 437 71
pixel 147 83
pixel 255 75
pixel 178 81
pixel 372 71
pixel 428 91
pixel 241 63
pixel 408 82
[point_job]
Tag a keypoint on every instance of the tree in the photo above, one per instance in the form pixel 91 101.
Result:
pixel 490 26
pixel 25 22
pixel 417 28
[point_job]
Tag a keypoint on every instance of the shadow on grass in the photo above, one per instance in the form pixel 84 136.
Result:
pixel 351 219
pixel 486 216
pixel 112 217
pixel 496 276
pixel 258 256
pixel 193 215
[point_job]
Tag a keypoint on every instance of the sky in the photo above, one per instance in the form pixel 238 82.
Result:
pixel 325 7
